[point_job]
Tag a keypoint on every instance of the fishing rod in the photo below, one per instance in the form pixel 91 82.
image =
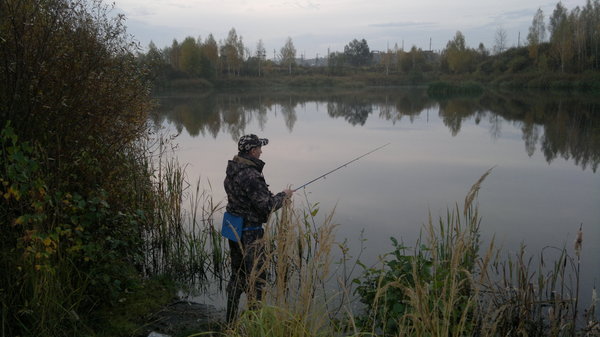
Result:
pixel 339 167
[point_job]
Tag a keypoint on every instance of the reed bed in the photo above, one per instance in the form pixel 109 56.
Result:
pixel 445 286
pixel 183 243
pixel 298 262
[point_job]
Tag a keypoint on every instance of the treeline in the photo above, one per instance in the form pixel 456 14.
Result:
pixel 567 42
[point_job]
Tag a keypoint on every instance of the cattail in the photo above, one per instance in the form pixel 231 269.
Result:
pixel 578 242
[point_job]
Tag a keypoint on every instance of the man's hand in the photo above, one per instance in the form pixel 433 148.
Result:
pixel 288 192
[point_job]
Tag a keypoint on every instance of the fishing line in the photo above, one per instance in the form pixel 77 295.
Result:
pixel 339 167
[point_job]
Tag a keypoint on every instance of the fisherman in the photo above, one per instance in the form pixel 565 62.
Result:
pixel 249 197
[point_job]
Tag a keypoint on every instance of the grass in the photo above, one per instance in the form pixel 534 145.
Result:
pixel 129 317
pixel 185 246
pixel 441 89
pixel 448 287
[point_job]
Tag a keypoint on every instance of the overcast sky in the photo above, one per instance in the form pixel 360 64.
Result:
pixel 318 25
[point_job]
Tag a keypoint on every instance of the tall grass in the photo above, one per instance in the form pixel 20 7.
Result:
pixel 184 243
pixel 298 260
pixel 445 286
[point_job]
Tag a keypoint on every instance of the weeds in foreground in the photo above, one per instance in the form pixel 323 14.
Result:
pixel 441 287
pixel 184 243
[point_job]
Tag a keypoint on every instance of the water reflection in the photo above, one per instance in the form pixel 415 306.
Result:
pixel 566 126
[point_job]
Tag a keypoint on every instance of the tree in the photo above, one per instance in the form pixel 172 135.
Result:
pixel 261 54
pixel 386 60
pixel 559 16
pixel 561 36
pixel 537 33
pixel 458 57
pixel 357 52
pixel 75 105
pixel 335 62
pixel 500 41
pixel 156 63
pixel 288 54
pixel 174 54
pixel 233 52
pixel 190 57
pixel 210 50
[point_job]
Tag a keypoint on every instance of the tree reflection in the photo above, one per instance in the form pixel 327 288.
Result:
pixel 560 125
pixel 354 112
pixel 569 124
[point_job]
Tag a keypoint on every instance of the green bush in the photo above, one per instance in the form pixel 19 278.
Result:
pixel 382 289
pixel 75 187
pixel 518 64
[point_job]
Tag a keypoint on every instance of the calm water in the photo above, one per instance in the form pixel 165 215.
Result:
pixel 545 150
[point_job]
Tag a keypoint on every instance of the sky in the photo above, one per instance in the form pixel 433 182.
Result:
pixel 316 26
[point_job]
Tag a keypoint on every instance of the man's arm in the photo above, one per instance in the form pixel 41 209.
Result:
pixel 263 200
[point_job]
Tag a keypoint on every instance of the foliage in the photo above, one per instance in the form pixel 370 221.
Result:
pixel 271 321
pixel 445 89
pixel 537 34
pixel 129 317
pixel 429 292
pixel 77 197
pixel 288 54
pixel 382 289
pixel 67 66
pixel 458 57
pixel 569 44
pixel 232 53
pixel 65 252
pixel 358 53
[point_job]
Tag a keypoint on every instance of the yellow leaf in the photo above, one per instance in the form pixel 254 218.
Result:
pixel 47 242
pixel 12 192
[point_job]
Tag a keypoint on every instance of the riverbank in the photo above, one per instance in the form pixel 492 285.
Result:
pixel 585 82
pixel 154 309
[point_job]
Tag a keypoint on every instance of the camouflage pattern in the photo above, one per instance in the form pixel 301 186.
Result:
pixel 247 255
pixel 248 142
pixel 248 196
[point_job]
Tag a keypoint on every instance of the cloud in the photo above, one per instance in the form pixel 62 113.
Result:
pixel 141 11
pixel 407 24
pixel 304 4
pixel 525 14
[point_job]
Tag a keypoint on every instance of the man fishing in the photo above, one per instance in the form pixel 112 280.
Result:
pixel 248 197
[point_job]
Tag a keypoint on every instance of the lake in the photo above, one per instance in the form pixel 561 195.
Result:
pixel 544 149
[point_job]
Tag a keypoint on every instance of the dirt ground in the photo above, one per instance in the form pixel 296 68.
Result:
pixel 183 318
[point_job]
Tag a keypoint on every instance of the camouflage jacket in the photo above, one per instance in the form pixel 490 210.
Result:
pixel 248 194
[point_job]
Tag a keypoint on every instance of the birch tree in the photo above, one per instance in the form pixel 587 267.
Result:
pixel 261 54
pixel 561 36
pixel 537 33
pixel 232 52
pixel 500 40
pixel 288 54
